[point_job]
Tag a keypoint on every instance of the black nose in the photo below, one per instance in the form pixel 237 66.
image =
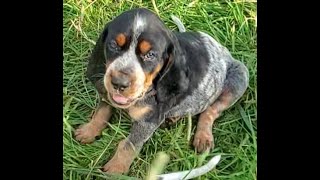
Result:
pixel 120 82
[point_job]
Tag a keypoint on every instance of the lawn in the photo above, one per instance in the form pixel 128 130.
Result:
pixel 232 23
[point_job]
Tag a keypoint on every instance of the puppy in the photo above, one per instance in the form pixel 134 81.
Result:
pixel 139 65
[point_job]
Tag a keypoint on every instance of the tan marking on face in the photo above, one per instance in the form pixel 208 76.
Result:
pixel 138 112
pixel 144 46
pixel 132 92
pixel 151 76
pixel 121 39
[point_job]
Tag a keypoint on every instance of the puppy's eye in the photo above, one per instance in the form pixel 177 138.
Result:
pixel 149 56
pixel 114 45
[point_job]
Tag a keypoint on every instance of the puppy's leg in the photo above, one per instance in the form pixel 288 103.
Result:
pixel 129 148
pixel 234 87
pixel 203 138
pixel 87 133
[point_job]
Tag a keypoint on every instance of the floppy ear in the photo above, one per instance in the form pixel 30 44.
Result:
pixel 167 59
pixel 173 81
pixel 96 62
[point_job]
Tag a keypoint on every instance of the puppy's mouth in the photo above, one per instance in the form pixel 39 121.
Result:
pixel 122 101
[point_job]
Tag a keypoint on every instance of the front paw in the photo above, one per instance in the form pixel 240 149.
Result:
pixel 86 133
pixel 203 140
pixel 122 159
pixel 116 167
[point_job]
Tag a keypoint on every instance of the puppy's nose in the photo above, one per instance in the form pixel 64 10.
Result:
pixel 120 82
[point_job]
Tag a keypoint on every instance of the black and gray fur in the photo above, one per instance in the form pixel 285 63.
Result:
pixel 196 70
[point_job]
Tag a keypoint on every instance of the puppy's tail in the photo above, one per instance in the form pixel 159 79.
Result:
pixel 178 22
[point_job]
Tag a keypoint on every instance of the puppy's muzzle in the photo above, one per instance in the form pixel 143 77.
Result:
pixel 120 82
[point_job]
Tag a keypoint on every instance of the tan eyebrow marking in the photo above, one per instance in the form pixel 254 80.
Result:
pixel 121 39
pixel 144 46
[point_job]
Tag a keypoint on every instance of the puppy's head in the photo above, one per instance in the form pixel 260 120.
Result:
pixel 136 47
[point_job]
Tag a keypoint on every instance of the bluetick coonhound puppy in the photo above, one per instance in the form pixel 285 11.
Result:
pixel 141 66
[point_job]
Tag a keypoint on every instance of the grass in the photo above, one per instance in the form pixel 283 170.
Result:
pixel 232 23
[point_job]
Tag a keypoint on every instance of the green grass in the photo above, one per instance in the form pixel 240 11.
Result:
pixel 232 23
